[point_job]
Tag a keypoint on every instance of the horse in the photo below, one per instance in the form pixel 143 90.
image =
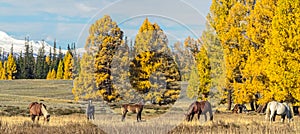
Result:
pixel 38 109
pixel 238 108
pixel 134 108
pixel 90 110
pixel 276 108
pixel 199 108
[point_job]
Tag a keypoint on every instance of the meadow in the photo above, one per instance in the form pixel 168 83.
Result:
pixel 67 116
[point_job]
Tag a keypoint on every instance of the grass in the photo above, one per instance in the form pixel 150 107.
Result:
pixel 67 116
pixel 58 125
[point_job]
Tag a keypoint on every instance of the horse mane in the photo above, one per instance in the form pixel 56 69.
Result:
pixel 190 110
pixel 42 104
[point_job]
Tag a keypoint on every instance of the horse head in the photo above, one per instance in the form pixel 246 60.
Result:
pixel 187 116
pixel 45 112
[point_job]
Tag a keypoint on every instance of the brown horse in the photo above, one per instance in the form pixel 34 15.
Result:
pixel 238 108
pixel 134 108
pixel 38 109
pixel 199 108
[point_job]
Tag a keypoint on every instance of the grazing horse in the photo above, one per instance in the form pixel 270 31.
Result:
pixel 90 110
pixel 38 109
pixel 134 108
pixel 238 108
pixel 276 108
pixel 199 108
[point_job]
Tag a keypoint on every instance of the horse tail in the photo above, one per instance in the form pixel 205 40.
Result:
pixel 289 113
pixel 268 111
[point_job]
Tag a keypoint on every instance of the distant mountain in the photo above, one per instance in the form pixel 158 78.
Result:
pixel 6 42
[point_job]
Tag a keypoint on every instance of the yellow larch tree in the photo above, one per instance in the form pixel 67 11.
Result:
pixel 204 72
pixel 229 20
pixel 284 53
pixel 258 32
pixel 96 81
pixel 11 67
pixel 153 71
pixel 68 66
pixel 59 73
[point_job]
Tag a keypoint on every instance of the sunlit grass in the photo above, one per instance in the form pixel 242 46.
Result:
pixel 16 95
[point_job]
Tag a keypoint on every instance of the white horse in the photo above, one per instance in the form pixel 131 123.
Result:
pixel 90 110
pixel 276 108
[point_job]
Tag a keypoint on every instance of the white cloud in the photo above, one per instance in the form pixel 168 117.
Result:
pixel 169 14
pixel 61 7
pixel 85 8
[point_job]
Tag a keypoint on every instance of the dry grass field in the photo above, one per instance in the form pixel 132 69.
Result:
pixel 67 116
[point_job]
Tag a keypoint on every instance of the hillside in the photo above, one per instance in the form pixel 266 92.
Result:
pixel 6 42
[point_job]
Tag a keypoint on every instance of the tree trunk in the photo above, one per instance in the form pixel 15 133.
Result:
pixel 229 100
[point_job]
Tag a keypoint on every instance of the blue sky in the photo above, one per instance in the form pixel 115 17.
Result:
pixel 68 21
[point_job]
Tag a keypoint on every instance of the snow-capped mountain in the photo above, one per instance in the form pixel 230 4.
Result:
pixel 7 41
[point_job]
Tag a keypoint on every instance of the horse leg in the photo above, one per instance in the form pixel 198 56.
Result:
pixel 33 118
pixel 271 117
pixel 199 113
pixel 38 119
pixel 274 117
pixel 123 116
pixel 141 116
pixel 205 117
pixel 282 118
pixel 192 116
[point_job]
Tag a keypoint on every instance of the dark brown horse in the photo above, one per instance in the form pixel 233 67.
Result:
pixel 199 108
pixel 38 109
pixel 238 108
pixel 134 108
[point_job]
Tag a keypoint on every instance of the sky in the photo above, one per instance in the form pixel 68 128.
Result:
pixel 68 21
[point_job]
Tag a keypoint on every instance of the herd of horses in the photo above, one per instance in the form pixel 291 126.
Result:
pixel 197 107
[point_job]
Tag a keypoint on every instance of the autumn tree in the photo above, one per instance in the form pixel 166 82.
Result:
pixel 184 60
pixel 153 71
pixel 68 66
pixel 120 69
pixel 60 71
pixel 204 72
pixel 11 67
pixel 229 19
pixel 104 38
pixel 84 84
pixel 215 55
pixel 283 54
pixel 1 70
pixel 193 86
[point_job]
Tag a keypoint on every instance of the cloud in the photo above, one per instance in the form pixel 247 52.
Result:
pixel 64 8
pixel 85 8
pixel 66 20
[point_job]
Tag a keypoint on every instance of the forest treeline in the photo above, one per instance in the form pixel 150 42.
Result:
pixel 260 42
pixel 27 65
pixel 248 53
